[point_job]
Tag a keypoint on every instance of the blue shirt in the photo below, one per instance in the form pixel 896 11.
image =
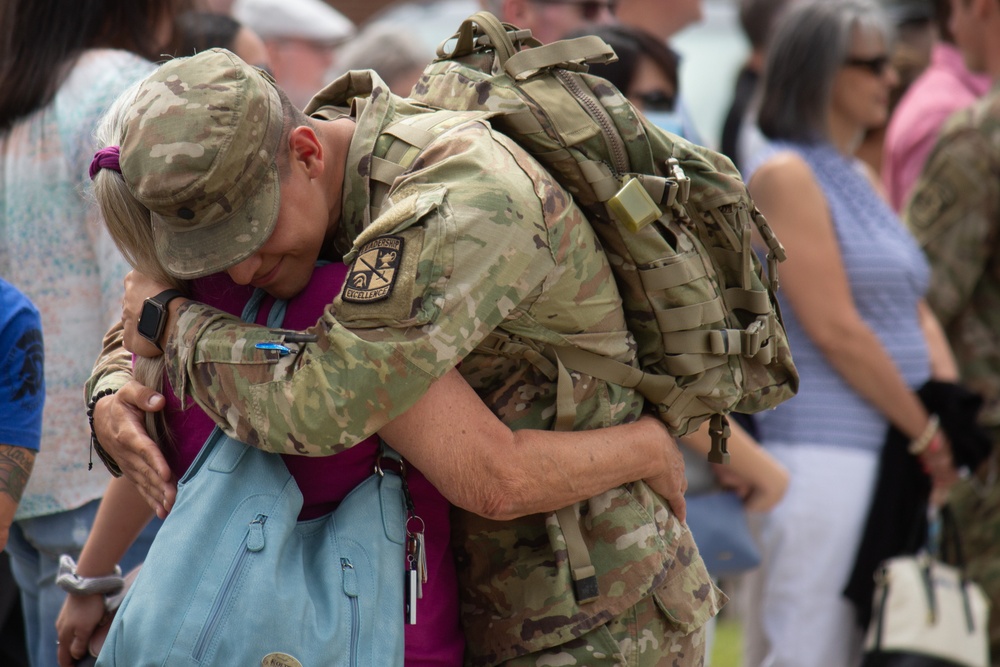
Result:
pixel 888 276
pixel 22 383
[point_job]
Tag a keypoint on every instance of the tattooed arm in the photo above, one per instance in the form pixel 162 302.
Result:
pixel 15 467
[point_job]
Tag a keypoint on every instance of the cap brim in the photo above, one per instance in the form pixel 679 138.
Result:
pixel 204 251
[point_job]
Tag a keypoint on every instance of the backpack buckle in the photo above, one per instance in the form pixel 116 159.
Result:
pixel 683 182
pixel 752 338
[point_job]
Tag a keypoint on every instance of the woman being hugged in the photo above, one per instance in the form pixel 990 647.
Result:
pixel 853 301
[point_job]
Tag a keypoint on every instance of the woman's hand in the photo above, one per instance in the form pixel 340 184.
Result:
pixel 79 618
pixel 762 491
pixel 939 464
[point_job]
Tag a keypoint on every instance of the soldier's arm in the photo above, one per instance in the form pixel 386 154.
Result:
pixel 482 466
pixel 468 258
pixel 953 213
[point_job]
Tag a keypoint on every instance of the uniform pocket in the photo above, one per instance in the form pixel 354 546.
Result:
pixel 689 598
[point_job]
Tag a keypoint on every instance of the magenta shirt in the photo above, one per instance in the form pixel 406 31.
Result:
pixel 436 640
pixel 946 86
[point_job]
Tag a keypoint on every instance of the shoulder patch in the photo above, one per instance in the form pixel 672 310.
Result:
pixel 374 271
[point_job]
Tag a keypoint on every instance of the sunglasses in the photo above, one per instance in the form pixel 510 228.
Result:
pixel 657 100
pixel 877 65
pixel 590 10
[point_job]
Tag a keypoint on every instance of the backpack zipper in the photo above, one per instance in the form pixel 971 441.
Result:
pixel 616 145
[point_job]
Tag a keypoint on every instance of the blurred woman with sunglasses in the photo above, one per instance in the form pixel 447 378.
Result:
pixel 853 301
pixel 62 62
pixel 647 72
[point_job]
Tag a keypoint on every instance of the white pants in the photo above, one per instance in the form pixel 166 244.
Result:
pixel 794 614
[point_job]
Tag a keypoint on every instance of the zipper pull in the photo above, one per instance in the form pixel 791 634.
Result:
pixel 255 538
pixel 350 578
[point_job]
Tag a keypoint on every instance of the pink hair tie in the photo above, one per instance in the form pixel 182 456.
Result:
pixel 106 158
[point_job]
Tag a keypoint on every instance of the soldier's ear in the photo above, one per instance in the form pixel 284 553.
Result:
pixel 305 150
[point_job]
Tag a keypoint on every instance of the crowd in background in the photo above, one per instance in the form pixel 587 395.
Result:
pixel 868 135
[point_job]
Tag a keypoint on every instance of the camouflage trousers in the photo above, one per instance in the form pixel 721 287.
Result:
pixel 975 503
pixel 640 637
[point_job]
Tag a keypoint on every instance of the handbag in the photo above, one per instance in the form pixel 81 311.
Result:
pixel 234 578
pixel 718 521
pixel 926 613
pixel 719 526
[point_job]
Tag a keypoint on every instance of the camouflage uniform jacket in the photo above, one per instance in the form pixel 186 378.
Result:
pixel 954 212
pixel 474 236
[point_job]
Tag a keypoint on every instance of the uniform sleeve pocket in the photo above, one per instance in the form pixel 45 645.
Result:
pixel 398 265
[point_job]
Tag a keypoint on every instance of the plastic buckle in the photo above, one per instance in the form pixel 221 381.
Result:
pixel 683 182
pixel 751 339
pixel 632 206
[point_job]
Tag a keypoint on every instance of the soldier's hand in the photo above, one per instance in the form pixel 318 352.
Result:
pixel 119 422
pixel 138 287
pixel 670 482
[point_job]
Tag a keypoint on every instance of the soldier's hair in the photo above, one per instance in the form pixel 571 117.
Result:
pixel 811 43
pixel 40 39
pixel 293 118
pixel 758 18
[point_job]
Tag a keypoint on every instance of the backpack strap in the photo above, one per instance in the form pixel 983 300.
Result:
pixel 572 54
pixel 410 136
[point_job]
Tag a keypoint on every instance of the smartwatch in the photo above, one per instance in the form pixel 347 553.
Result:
pixel 153 317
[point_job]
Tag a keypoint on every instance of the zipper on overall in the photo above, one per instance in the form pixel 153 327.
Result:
pixel 351 590
pixel 253 541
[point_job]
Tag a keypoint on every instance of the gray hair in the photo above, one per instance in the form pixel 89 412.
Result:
pixel 494 7
pixel 758 18
pixel 810 44
pixel 392 50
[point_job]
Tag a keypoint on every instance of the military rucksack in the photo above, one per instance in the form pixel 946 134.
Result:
pixel 675 220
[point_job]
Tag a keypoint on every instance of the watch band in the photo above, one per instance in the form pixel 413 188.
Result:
pixel 153 317
pixel 166 296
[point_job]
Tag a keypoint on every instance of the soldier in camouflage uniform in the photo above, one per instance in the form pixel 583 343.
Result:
pixel 473 237
pixel 954 212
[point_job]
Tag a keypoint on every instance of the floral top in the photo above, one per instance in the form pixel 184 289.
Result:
pixel 53 247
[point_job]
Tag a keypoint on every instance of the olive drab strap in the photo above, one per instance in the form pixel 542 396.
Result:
pixel 675 220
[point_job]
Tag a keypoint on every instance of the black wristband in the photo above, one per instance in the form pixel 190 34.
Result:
pixel 106 458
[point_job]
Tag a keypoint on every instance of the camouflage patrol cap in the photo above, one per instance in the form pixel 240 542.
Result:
pixel 198 150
